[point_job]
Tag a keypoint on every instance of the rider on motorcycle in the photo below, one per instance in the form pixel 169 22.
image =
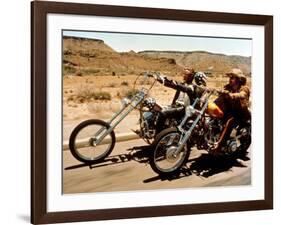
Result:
pixel 189 90
pixel 234 103
pixel 186 93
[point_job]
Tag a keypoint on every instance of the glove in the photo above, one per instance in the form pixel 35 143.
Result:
pixel 226 94
pixel 209 89
pixel 161 79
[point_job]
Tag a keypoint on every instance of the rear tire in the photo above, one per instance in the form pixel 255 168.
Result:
pixel 245 138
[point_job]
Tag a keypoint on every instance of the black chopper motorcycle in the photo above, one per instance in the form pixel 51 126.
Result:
pixel 201 128
pixel 93 140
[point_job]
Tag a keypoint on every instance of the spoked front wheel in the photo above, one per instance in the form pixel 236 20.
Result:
pixel 83 142
pixel 164 160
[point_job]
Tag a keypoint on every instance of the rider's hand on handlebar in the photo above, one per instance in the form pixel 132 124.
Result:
pixel 157 76
pixel 161 78
pixel 220 92
pixel 210 89
pixel 149 74
pixel 225 93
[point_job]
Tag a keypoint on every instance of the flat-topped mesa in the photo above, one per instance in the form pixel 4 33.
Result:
pixel 85 44
pixel 82 39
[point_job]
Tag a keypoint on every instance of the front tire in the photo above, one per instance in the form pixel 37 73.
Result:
pixel 82 138
pixel 162 159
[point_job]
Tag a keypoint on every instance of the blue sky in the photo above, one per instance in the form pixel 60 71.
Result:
pixel 123 42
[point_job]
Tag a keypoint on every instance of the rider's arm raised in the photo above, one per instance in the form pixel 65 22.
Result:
pixel 175 85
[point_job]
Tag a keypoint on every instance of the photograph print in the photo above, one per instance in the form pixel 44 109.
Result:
pixel 155 111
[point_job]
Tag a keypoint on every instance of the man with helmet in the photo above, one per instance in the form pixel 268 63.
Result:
pixel 234 103
pixel 186 93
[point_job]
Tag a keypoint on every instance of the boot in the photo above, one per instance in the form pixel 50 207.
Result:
pixel 224 136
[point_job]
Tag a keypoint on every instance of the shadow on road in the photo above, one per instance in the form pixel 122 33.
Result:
pixel 139 154
pixel 205 166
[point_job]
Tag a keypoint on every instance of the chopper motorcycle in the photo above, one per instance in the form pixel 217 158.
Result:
pixel 201 128
pixel 93 140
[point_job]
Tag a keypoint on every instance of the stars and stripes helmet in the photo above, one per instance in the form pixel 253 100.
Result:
pixel 200 78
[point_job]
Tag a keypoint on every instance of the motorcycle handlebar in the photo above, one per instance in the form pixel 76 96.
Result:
pixel 156 75
pixel 215 91
pixel 160 77
pixel 153 74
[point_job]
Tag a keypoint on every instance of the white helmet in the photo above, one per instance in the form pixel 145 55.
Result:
pixel 200 78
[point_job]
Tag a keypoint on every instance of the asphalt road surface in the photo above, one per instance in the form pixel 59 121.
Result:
pixel 126 169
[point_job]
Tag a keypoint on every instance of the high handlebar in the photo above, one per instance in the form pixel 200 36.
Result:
pixel 218 92
pixel 160 77
pixel 153 74
pixel 156 75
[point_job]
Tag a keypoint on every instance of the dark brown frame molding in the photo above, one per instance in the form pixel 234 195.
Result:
pixel 39 11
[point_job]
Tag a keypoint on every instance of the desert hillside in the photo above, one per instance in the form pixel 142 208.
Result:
pixel 205 61
pixel 83 56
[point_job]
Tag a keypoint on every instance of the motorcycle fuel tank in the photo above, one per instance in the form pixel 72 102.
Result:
pixel 214 111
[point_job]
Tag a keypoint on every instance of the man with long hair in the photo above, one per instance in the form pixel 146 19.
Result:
pixel 235 104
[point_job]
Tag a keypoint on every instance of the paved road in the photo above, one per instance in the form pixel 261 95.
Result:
pixel 128 169
pixel 126 125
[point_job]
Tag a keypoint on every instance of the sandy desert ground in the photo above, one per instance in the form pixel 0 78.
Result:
pixel 78 91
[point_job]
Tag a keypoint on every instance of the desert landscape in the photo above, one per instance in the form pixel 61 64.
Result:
pixel 96 78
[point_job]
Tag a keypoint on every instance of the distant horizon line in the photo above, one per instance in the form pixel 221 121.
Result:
pixel 149 50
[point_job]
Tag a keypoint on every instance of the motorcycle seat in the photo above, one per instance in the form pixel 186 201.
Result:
pixel 173 111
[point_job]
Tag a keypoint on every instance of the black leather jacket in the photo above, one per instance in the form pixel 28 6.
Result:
pixel 192 90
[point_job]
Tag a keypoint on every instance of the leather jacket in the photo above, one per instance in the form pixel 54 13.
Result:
pixel 192 90
pixel 239 101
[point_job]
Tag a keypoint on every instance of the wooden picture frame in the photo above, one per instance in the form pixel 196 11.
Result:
pixel 39 198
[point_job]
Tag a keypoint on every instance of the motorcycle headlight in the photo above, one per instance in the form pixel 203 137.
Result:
pixel 149 102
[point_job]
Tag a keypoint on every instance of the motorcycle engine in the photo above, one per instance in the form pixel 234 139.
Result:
pixel 147 125
pixel 231 146
pixel 214 128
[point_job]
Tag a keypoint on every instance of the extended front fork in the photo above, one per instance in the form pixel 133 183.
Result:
pixel 191 111
pixel 116 119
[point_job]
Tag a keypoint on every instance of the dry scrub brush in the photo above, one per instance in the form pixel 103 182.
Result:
pixel 88 93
